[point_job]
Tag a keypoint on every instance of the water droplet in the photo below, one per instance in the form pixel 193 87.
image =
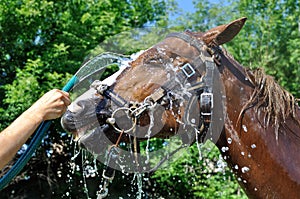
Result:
pixel 169 76
pixel 242 153
pixel 229 140
pixel 245 169
pixel 253 146
pixel 236 167
pixel 224 149
pixel 193 120
pixel 245 128
pixel 255 189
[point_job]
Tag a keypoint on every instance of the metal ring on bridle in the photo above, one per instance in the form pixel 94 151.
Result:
pixel 134 120
pixel 146 105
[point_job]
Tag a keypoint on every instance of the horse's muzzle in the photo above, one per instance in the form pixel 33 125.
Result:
pixel 85 115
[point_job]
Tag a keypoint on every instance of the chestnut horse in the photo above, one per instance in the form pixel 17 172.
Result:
pixel 260 136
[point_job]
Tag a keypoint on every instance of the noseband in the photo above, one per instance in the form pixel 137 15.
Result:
pixel 199 74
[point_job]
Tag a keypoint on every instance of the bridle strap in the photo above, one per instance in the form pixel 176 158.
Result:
pixel 236 72
pixel 214 51
pixel 188 39
pixel 208 62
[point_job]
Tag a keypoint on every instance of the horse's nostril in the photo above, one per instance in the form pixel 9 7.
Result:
pixel 68 117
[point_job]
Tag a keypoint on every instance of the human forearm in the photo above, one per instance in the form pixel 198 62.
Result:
pixel 50 106
pixel 15 135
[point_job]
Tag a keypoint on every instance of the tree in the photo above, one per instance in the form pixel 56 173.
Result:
pixel 42 44
pixel 58 36
pixel 200 172
pixel 270 39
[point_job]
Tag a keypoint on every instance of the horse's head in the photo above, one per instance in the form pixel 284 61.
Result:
pixel 168 89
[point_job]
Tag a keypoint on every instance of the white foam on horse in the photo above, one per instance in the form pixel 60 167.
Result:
pixel 124 65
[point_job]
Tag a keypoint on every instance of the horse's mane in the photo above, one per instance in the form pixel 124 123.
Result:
pixel 277 103
pixel 268 94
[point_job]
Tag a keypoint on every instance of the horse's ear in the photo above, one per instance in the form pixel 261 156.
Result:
pixel 224 33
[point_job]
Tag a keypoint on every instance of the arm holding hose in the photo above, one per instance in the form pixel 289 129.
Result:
pixel 50 106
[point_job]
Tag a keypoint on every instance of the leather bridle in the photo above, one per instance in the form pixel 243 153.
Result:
pixel 199 74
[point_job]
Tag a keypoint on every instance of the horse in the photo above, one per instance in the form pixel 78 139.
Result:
pixel 259 137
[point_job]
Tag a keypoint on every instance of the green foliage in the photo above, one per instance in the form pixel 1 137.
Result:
pixel 269 39
pixel 31 83
pixel 134 40
pixel 42 43
pixel 198 174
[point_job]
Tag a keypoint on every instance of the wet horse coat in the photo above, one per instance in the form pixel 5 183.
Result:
pixel 264 156
pixel 261 134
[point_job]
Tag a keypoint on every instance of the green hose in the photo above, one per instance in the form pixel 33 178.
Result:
pixel 35 142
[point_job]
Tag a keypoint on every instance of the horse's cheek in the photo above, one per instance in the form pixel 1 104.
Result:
pixel 170 121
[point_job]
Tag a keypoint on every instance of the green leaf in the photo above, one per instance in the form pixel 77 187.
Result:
pixel 85 17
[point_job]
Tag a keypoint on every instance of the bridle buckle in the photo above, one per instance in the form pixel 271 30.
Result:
pixel 188 70
pixel 206 102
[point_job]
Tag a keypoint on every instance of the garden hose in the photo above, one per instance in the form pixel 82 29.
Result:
pixel 35 142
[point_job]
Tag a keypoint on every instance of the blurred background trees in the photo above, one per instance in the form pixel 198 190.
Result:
pixel 43 42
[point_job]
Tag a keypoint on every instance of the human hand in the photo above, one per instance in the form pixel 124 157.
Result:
pixel 51 105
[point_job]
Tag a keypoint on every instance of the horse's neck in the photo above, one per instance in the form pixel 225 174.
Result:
pixel 266 166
